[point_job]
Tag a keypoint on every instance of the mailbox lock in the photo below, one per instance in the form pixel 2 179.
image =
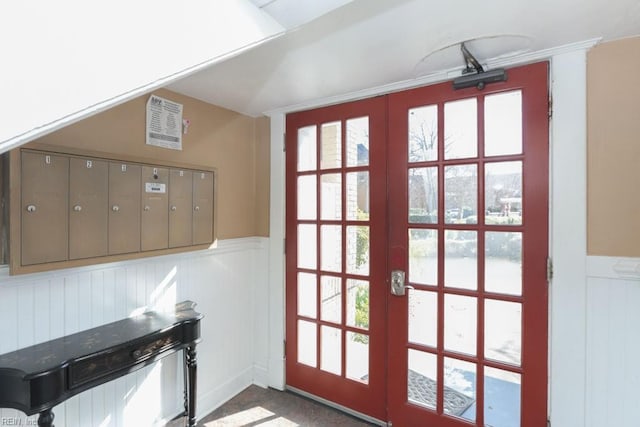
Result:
pixel 197 208
pixel 147 208
pixel 31 208
pixel 173 208
pixel 115 208
pixel 77 208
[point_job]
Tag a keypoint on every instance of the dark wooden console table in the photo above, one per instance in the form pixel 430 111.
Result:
pixel 37 378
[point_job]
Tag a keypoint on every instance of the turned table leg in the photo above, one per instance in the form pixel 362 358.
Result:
pixel 185 377
pixel 190 386
pixel 46 418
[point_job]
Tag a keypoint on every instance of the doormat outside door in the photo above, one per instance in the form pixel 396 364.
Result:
pixel 422 390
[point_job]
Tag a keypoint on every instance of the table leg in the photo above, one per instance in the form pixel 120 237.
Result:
pixel 46 418
pixel 185 376
pixel 191 366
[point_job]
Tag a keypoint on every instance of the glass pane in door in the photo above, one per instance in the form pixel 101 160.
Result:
pixel 461 259
pixel 307 157
pixel 423 256
pixel 358 303
pixel 460 129
pixel 460 323
pixel 357 252
pixel 331 349
pixel 358 141
pixel 503 262
pixel 422 383
pixel 307 199
pixel 331 248
pixel 307 246
pixel 357 196
pixel 503 331
pixel 461 194
pixel 459 388
pixel 330 196
pixel 502 397
pixel 331 145
pixel 423 133
pixel 307 291
pixel 423 318
pixel 307 343
pixel 503 123
pixel 331 297
pixel 423 195
pixel 503 193
pixel 357 354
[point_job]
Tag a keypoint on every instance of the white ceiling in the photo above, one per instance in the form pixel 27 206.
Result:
pixel 372 43
pixel 294 13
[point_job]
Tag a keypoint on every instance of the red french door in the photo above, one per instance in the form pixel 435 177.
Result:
pixel 443 194
pixel 468 215
pixel 336 254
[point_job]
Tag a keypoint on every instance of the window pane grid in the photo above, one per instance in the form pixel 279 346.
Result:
pixel 461 146
pixel 339 164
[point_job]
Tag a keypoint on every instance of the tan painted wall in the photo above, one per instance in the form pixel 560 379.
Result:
pixel 613 150
pixel 263 175
pixel 236 145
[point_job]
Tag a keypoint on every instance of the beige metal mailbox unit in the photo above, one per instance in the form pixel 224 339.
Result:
pixel 73 209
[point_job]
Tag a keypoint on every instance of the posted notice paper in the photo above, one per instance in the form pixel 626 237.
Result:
pixel 164 123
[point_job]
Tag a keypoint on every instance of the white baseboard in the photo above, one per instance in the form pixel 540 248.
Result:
pixel 211 400
pixel 260 376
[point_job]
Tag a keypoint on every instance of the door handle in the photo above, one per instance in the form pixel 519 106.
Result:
pixel 398 287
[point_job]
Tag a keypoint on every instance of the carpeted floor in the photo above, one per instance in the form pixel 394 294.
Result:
pixel 256 406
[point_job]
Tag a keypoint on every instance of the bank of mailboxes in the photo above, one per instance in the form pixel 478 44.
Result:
pixel 76 208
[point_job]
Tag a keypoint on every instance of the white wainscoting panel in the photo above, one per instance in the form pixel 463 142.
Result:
pixel 613 342
pixel 229 284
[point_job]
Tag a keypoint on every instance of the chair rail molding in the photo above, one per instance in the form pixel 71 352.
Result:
pixel 624 268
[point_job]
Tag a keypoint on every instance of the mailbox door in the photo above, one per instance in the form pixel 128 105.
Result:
pixel 180 207
pixel 202 208
pixel 155 208
pixel 44 218
pixel 124 208
pixel 88 197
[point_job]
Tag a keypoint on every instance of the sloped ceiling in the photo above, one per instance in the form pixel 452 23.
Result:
pixel 373 43
pixel 65 60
